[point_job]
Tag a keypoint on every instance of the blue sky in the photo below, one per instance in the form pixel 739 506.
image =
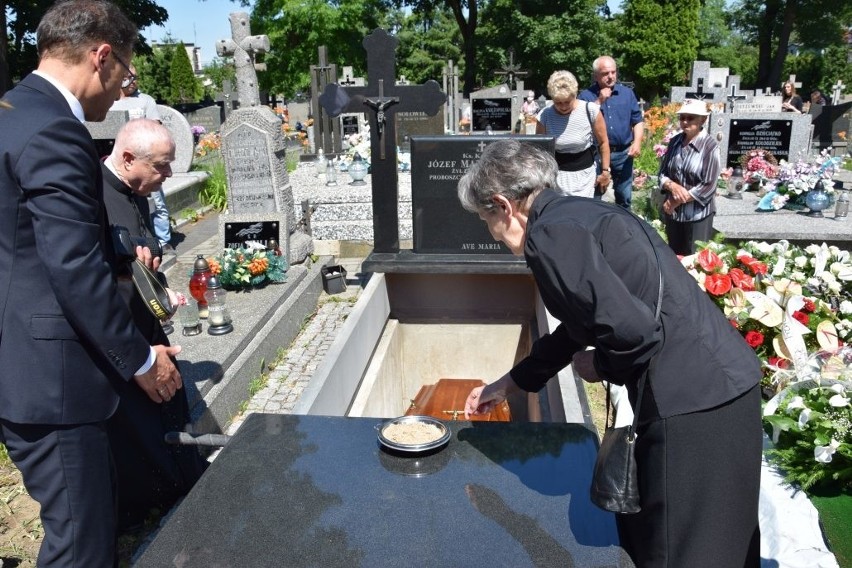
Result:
pixel 205 23
pixel 193 21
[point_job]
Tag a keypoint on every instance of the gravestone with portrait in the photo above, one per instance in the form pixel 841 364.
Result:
pixel 440 224
pixel 260 197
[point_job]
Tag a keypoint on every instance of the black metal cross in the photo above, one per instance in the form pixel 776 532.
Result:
pixel 732 97
pixel 384 99
pixel 512 71
pixel 698 95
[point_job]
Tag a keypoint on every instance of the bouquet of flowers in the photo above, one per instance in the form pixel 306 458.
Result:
pixel 198 130
pixel 797 178
pixel 759 168
pixel 249 266
pixel 811 424
pixel 787 302
pixel 207 144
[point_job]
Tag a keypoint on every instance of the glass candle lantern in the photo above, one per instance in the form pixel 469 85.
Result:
pixel 189 320
pixel 198 283
pixel 330 173
pixel 735 184
pixel 319 164
pixel 841 210
pixel 357 170
pixel 817 200
pixel 218 318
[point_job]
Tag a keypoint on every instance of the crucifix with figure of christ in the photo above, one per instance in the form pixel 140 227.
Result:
pixel 380 99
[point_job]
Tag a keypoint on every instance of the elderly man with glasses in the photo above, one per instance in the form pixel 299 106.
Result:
pixel 140 105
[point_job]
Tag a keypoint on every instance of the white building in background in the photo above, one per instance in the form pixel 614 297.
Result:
pixel 193 52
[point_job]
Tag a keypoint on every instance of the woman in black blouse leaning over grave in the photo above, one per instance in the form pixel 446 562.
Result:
pixel 596 265
pixel 688 175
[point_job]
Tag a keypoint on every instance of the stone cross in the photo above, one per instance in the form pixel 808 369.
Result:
pixel 732 97
pixel 326 131
pixel 511 71
pixel 699 93
pixel 450 82
pixel 226 97
pixel 836 91
pixel 792 80
pixel 384 99
pixel 243 47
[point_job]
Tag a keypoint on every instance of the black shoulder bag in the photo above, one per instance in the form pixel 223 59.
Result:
pixel 615 486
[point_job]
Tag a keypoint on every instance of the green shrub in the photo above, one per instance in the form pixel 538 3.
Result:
pixel 215 190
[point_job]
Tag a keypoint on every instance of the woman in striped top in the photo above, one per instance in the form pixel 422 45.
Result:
pixel 688 175
pixel 576 125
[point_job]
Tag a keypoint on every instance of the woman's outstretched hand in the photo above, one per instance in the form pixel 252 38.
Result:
pixel 482 400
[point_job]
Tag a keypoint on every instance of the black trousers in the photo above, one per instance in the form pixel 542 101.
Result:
pixel 699 480
pixel 682 236
pixel 69 471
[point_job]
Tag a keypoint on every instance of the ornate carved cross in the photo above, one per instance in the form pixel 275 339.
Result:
pixel 243 47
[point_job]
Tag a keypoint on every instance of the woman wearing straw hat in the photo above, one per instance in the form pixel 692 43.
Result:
pixel 688 175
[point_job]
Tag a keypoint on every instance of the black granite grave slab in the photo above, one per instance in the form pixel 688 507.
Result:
pixel 293 490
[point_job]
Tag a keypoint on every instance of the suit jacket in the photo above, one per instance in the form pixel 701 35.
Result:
pixel 67 339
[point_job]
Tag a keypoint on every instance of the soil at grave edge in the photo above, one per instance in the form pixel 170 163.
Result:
pixel 21 531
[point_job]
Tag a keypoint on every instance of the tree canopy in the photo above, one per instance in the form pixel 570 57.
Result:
pixel 17 46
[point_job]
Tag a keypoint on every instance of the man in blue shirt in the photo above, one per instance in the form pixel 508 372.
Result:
pixel 624 125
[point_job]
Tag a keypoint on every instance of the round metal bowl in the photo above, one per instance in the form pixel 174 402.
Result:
pixel 413 448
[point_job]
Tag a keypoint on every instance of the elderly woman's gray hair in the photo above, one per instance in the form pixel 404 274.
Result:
pixel 562 85
pixel 516 170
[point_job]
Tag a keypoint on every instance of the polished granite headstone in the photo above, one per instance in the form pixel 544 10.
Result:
pixel 440 224
pixel 292 490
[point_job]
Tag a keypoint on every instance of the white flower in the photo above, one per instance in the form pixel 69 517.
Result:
pixel 800 261
pixel 764 247
pixel 804 417
pixel 797 276
pixel 796 402
pixel 838 401
pixel 823 454
pixel 834 286
pixel 846 307
pixel 254 246
pixel 812 249
pixel 814 282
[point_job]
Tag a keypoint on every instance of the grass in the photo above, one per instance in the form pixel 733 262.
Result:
pixel 835 513
pixel 215 190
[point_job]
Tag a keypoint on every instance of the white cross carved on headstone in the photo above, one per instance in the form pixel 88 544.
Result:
pixel 836 91
pixel 242 47
pixel 792 81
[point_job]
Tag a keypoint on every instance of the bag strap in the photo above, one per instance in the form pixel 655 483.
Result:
pixel 652 362
pixel 152 291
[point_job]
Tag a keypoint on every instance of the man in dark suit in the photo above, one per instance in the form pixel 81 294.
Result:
pixel 67 339
pixel 151 474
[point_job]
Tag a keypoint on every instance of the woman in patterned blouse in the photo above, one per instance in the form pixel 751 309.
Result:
pixel 688 175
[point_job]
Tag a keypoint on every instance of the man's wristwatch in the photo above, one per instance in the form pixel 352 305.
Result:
pixel 607 170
